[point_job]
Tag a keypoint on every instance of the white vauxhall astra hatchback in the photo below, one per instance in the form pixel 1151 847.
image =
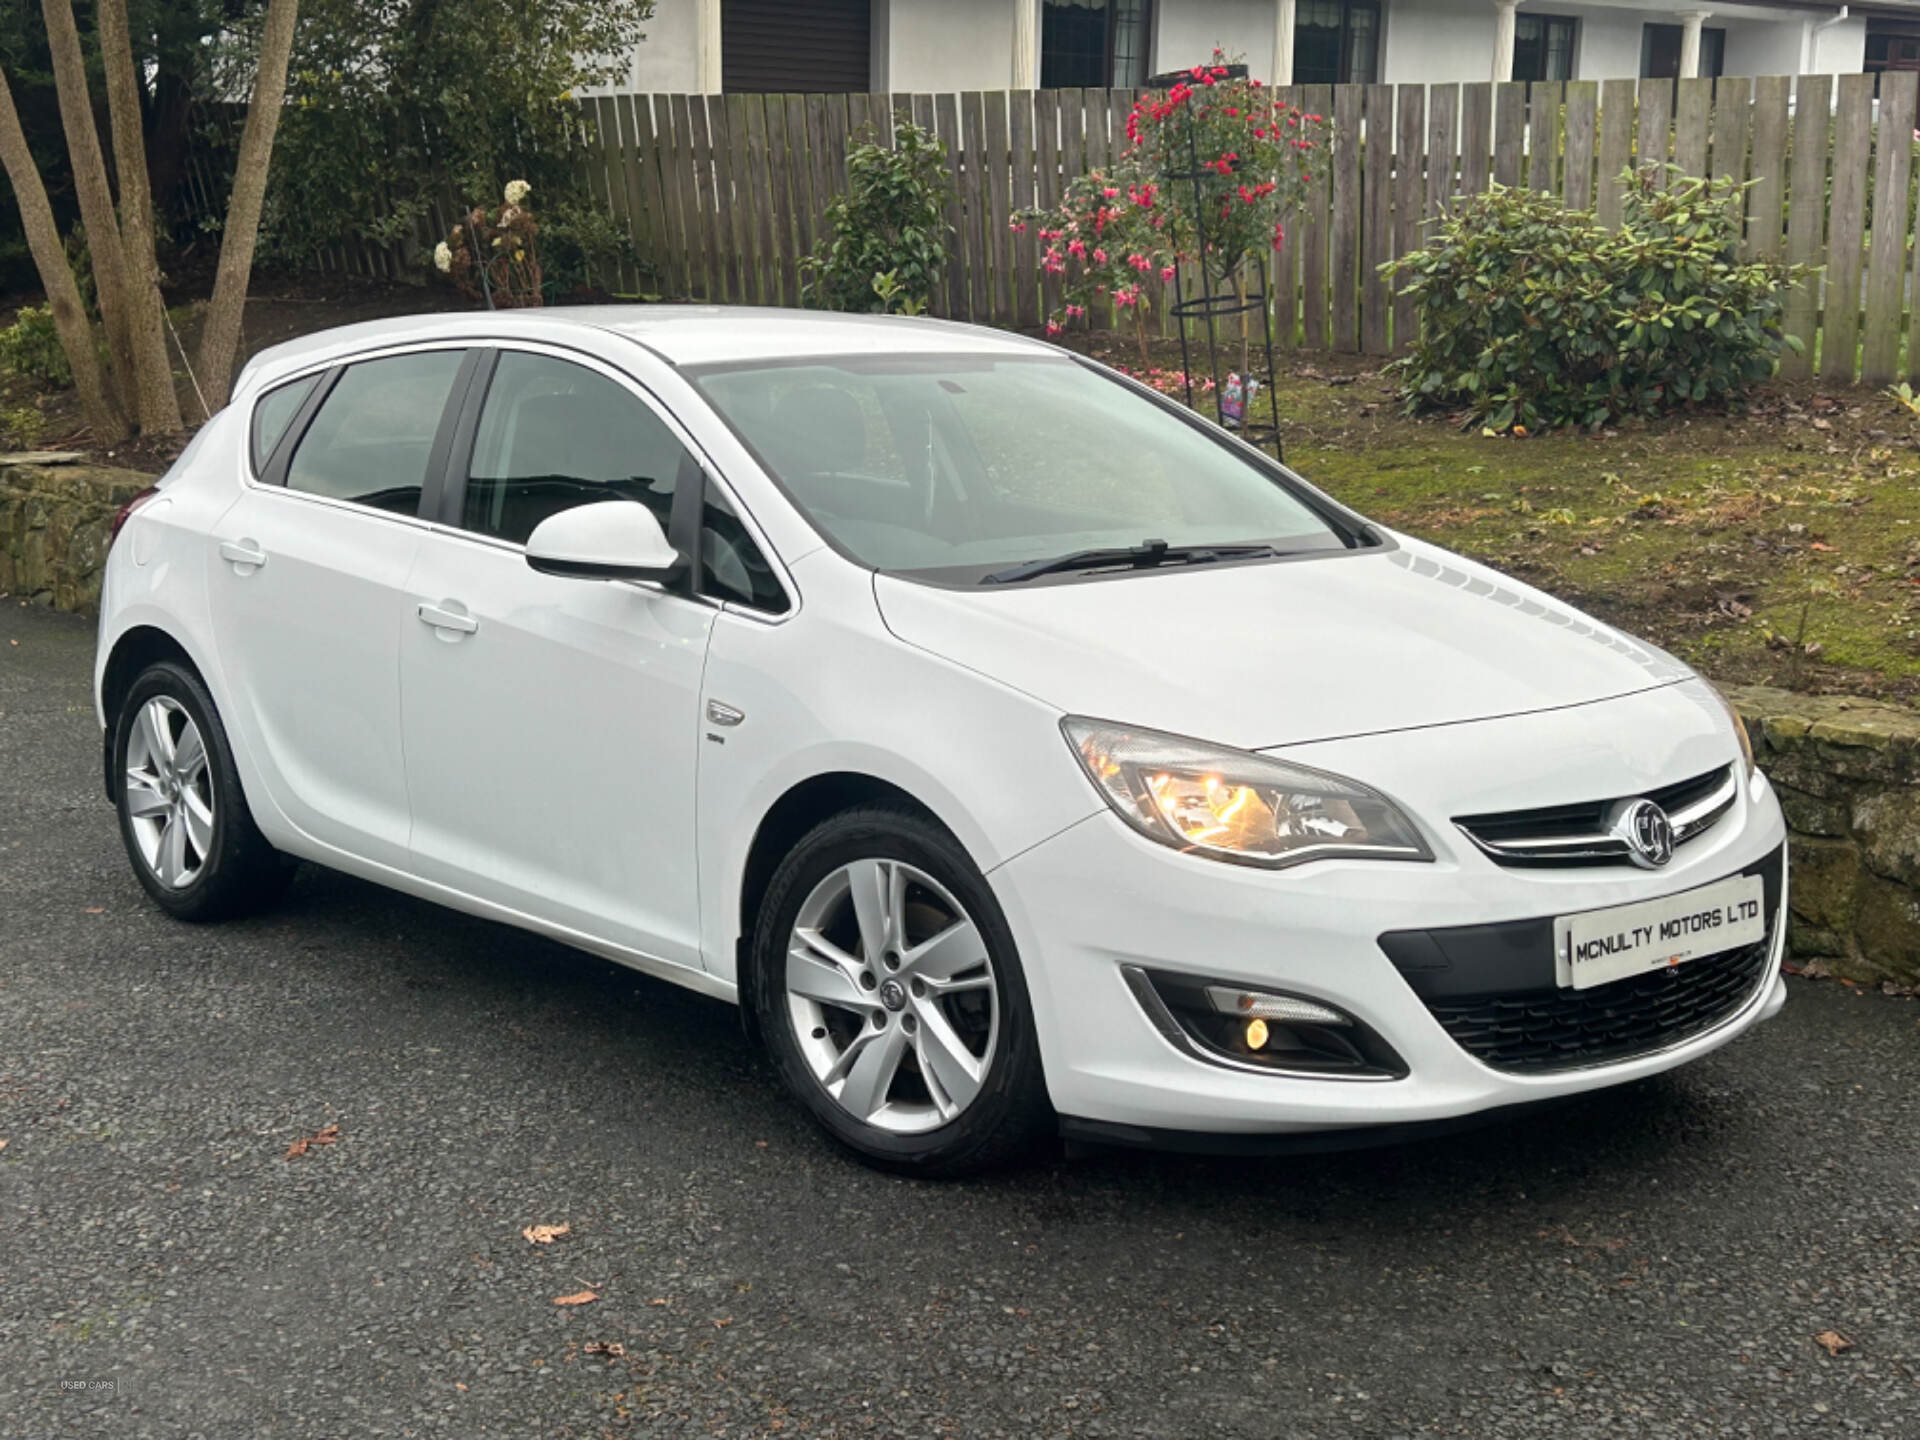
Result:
pixel 1021 752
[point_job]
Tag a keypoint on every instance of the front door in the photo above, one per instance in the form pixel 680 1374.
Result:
pixel 306 574
pixel 550 724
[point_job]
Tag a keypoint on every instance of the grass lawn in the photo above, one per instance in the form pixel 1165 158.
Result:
pixel 1779 546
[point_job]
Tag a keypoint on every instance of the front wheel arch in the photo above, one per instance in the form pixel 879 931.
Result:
pixel 799 810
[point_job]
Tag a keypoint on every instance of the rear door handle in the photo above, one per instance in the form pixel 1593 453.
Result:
pixel 244 555
pixel 455 622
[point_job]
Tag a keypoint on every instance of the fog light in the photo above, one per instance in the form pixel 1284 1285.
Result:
pixel 1254 1029
pixel 1254 1004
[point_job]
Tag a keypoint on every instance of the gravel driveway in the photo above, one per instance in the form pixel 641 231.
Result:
pixel 1656 1261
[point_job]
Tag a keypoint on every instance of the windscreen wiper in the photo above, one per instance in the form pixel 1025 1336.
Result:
pixel 1138 557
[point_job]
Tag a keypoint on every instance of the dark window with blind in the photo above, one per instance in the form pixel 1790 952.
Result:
pixel 1543 47
pixel 777 45
pixel 1336 42
pixel 1094 43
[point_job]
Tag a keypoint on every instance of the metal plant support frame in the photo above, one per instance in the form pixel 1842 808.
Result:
pixel 1214 306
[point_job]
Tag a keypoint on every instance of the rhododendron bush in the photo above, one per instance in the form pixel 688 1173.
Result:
pixel 1216 156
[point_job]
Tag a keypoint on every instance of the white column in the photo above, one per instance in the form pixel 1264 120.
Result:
pixel 1283 20
pixel 1503 39
pixel 1690 22
pixel 706 46
pixel 1026 44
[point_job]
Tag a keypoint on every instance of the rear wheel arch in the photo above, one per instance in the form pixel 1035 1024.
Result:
pixel 136 649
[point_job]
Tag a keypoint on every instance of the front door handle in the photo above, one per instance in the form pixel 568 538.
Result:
pixel 244 555
pixel 448 622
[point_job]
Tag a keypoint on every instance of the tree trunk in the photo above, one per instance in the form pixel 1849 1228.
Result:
pixel 96 199
pixel 156 400
pixel 220 336
pixel 56 278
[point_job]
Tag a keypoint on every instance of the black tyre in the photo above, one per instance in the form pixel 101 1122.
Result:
pixel 888 990
pixel 183 816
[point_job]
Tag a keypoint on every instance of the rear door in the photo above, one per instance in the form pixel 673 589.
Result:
pixel 307 581
pixel 550 723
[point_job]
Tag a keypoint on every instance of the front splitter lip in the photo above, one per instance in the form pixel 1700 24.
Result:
pixel 1075 1130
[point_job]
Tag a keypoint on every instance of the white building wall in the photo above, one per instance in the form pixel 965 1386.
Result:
pixel 1437 41
pixel 1840 49
pixel 1189 30
pixel 665 60
pixel 937 45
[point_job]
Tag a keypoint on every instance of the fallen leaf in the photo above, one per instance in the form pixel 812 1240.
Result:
pixel 611 1348
pixel 584 1297
pixel 1823 424
pixel 544 1234
pixel 327 1136
pixel 1832 1341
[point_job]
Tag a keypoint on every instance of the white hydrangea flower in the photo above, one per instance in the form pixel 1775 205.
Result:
pixel 517 191
pixel 442 258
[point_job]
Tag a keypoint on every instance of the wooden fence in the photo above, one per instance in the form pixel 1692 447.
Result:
pixel 723 194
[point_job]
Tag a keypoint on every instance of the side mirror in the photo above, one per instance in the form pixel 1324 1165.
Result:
pixel 610 540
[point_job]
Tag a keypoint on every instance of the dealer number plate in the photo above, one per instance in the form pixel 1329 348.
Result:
pixel 1600 946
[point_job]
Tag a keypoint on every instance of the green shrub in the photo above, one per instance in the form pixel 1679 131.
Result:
pixel 30 347
pixel 22 428
pixel 583 248
pixel 890 222
pixel 1533 315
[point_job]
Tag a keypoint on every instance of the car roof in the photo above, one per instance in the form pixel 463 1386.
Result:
pixel 680 334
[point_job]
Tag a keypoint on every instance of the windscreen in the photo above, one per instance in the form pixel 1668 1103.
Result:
pixel 958 466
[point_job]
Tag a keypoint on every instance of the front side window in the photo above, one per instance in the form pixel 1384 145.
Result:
pixel 1542 47
pixel 731 565
pixel 1094 43
pixel 372 438
pixel 554 435
pixel 1336 42
pixel 273 414
pixel 957 466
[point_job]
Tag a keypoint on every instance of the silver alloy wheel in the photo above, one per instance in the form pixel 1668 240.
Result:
pixel 891 995
pixel 169 789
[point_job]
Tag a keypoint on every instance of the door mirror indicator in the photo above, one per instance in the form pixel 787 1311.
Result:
pixel 610 540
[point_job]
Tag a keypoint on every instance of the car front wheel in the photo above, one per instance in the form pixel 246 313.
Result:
pixel 888 990
pixel 184 820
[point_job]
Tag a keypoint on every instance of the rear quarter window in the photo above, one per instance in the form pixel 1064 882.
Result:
pixel 272 413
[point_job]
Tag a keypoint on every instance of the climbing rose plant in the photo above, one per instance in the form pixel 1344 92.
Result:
pixel 1216 152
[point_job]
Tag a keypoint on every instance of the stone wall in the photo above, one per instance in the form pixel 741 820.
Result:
pixel 55 516
pixel 1848 775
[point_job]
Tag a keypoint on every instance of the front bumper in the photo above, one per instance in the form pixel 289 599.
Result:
pixel 1098 897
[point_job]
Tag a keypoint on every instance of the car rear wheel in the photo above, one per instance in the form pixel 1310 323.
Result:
pixel 888 990
pixel 183 818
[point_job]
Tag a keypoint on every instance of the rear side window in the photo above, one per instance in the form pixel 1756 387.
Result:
pixel 554 435
pixel 731 565
pixel 272 416
pixel 372 438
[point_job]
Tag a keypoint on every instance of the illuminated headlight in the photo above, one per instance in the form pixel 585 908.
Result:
pixel 1739 729
pixel 1235 805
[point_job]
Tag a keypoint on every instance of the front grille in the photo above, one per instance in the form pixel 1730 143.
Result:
pixel 1579 834
pixel 1569 1029
pixel 1496 990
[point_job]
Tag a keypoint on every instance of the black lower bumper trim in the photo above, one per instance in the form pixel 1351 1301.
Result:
pixel 1076 1131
